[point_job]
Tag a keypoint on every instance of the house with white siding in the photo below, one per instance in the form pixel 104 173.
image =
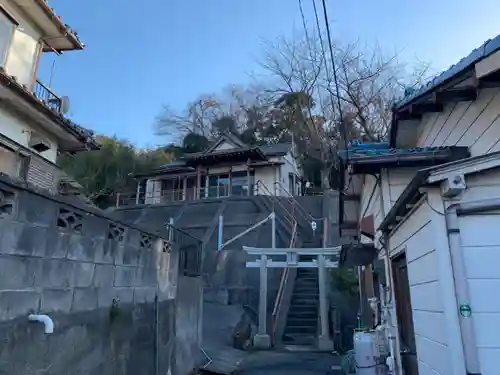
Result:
pixel 430 205
pixel 228 167
pixel 33 128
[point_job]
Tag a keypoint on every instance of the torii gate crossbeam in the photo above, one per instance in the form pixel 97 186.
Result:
pixel 325 258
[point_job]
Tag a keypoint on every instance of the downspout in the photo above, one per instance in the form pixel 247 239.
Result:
pixel 461 286
pixel 394 361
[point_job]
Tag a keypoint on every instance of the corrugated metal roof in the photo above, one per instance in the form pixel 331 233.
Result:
pixel 488 47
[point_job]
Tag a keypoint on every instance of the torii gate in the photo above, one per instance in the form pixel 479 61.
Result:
pixel 326 257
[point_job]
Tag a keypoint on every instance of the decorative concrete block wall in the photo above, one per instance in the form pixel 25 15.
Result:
pixel 109 287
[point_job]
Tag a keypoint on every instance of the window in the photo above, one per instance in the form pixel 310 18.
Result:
pixel 7 26
pixel 239 183
pixel 218 186
pixel 10 162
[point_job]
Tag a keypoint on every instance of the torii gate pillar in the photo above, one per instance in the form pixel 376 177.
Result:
pixel 262 339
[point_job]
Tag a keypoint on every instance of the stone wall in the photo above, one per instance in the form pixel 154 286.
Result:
pixel 109 287
pixel 188 320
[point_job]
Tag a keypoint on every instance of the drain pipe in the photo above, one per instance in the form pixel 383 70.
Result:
pixel 391 328
pixel 461 286
pixel 45 319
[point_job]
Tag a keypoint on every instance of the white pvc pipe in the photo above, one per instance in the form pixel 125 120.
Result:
pixel 462 291
pixel 45 319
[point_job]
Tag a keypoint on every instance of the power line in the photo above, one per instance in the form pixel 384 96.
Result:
pixel 343 132
pixel 308 41
pixel 323 54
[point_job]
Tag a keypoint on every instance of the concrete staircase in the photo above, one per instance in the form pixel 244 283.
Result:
pixel 302 321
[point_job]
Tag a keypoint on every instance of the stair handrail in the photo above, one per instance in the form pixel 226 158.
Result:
pixel 300 208
pixel 283 282
pixel 249 229
pixel 271 197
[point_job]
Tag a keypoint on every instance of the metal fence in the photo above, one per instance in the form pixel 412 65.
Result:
pixel 190 250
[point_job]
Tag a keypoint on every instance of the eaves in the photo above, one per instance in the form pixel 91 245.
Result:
pixel 431 176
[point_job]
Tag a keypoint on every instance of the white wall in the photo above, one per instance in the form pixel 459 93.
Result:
pixel 481 250
pixel 284 170
pixel 417 237
pixel 19 131
pixel 267 176
pixel 22 55
pixel 392 184
pixel 474 124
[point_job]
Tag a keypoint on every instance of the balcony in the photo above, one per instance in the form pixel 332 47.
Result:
pixel 49 98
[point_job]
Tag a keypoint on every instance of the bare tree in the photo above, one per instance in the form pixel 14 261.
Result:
pixel 369 84
pixel 196 118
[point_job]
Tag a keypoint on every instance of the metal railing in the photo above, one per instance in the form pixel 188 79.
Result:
pixel 45 94
pixel 297 208
pixel 188 194
pixel 283 282
pixel 190 250
pixel 274 202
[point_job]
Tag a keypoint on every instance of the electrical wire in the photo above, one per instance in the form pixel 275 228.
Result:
pixel 323 54
pixel 377 183
pixel 304 24
pixel 432 208
pixel 343 132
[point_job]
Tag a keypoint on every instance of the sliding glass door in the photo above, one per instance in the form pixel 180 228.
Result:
pixel 240 185
pixel 218 186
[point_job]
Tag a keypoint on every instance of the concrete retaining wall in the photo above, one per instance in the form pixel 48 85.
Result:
pixel 188 319
pixel 109 287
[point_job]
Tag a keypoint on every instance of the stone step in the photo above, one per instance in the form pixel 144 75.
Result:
pixel 307 279
pixel 304 308
pixel 304 301
pixel 301 322
pixel 303 291
pixel 302 315
pixel 311 330
pixel 299 339
pixel 306 282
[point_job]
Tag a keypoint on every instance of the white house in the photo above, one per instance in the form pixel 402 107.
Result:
pixel 228 167
pixel 33 129
pixel 432 199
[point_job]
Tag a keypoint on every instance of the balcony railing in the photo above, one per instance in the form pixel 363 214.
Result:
pixel 45 94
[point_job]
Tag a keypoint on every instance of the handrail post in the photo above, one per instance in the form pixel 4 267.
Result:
pixel 273 226
pixel 220 232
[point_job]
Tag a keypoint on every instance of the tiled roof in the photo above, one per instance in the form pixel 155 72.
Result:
pixel 82 134
pixel 276 149
pixel 57 19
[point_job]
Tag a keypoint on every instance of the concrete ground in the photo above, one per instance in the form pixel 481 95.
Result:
pixel 290 363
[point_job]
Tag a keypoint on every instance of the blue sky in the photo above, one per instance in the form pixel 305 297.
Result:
pixel 141 55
